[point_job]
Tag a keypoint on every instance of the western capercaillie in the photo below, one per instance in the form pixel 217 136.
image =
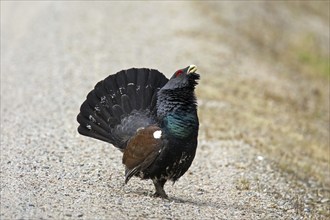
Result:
pixel 151 119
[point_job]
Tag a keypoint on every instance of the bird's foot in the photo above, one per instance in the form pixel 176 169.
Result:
pixel 161 195
pixel 159 186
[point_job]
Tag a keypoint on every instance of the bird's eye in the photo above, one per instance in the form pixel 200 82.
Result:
pixel 178 73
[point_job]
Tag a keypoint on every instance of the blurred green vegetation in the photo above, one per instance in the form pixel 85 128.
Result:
pixel 281 106
pixel 309 58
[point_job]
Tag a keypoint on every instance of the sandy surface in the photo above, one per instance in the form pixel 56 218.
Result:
pixel 52 54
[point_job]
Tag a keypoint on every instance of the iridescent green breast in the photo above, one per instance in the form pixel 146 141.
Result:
pixel 181 125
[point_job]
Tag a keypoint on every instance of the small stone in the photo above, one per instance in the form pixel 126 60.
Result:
pixel 290 211
pixel 324 200
pixel 260 158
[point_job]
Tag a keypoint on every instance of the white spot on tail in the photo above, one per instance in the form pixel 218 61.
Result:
pixel 121 89
pixel 91 118
pixel 103 98
pixel 157 134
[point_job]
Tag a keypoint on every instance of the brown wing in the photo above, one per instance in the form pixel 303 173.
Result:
pixel 142 149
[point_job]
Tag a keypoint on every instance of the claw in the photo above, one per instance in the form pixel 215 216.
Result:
pixel 159 185
pixel 160 195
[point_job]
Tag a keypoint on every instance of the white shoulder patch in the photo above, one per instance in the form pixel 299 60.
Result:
pixel 157 134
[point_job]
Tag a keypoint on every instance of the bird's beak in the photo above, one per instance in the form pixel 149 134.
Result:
pixel 192 69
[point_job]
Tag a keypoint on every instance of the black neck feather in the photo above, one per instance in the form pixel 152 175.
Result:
pixel 177 111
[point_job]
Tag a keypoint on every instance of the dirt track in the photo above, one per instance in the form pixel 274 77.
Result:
pixel 52 54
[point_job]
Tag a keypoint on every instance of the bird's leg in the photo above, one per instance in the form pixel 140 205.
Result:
pixel 159 185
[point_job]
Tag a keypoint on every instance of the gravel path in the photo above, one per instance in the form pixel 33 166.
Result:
pixel 52 54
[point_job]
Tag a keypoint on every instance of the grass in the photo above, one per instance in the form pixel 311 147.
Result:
pixel 309 58
pixel 242 184
pixel 270 120
pixel 281 106
pixel 271 90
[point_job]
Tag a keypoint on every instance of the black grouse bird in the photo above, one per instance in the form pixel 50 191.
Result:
pixel 151 119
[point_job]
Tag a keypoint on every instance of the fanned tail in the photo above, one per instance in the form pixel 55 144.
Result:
pixel 120 104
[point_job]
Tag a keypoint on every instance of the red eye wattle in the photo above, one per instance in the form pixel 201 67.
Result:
pixel 178 73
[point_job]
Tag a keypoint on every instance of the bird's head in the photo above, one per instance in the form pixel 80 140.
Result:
pixel 183 78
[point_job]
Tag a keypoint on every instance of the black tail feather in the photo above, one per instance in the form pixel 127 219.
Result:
pixel 93 117
pixel 125 103
pixel 117 111
pixel 92 129
pixel 131 92
pixel 119 104
pixel 131 75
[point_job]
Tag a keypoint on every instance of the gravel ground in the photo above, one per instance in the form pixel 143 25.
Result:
pixel 52 54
